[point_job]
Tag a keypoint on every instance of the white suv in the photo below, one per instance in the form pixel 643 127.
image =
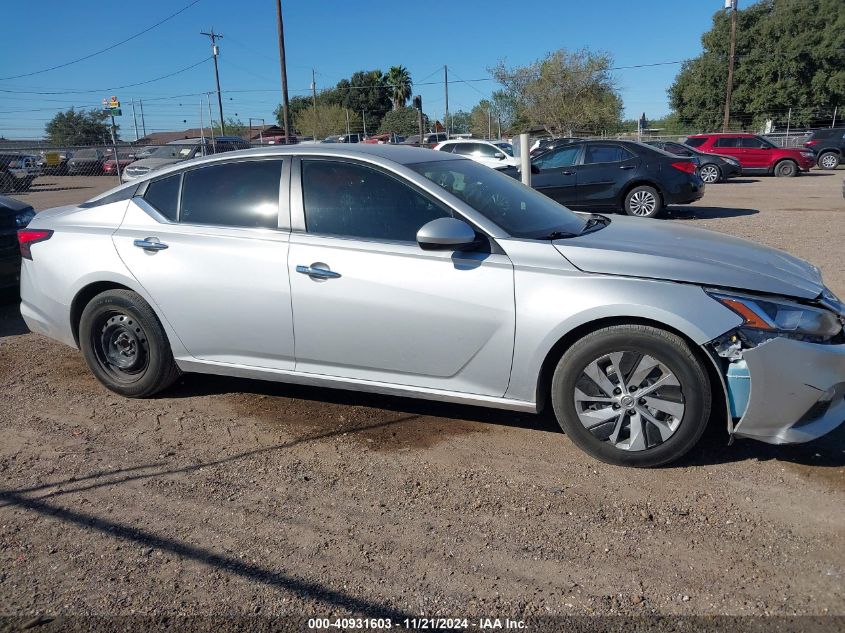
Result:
pixel 495 154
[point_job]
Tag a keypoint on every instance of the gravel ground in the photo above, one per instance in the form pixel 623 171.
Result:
pixel 232 497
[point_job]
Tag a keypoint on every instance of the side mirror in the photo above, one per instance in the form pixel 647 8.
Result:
pixel 500 156
pixel 445 234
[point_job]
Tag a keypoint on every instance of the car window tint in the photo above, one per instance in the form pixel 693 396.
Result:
pixel 242 194
pixel 163 196
pixel 560 157
pixel 751 143
pixel 730 141
pixel 677 149
pixel 351 200
pixel 604 154
pixel 466 149
pixel 449 147
pixel 695 142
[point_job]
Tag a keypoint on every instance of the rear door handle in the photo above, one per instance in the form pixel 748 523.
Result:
pixel 626 167
pixel 317 271
pixel 567 173
pixel 150 244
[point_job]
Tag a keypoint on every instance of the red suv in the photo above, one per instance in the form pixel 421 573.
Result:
pixel 756 154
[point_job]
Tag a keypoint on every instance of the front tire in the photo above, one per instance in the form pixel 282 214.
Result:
pixel 786 169
pixel 829 160
pixel 632 395
pixel 643 202
pixel 710 173
pixel 125 345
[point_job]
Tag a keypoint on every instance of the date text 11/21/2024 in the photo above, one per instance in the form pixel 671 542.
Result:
pixel 421 623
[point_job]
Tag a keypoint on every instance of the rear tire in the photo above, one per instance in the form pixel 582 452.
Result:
pixel 125 345
pixel 710 173
pixel 648 404
pixel 786 169
pixel 829 160
pixel 643 202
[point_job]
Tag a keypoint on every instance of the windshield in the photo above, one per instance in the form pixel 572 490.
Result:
pixel 507 148
pixel 173 151
pixel 519 210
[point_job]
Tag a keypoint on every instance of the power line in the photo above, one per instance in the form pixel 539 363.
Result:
pixel 101 51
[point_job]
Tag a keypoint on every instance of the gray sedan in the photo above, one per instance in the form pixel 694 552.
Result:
pixel 409 272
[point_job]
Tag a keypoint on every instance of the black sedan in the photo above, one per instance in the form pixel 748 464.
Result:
pixel 14 215
pixel 711 167
pixel 620 175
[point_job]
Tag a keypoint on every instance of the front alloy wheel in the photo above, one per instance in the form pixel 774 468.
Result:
pixel 632 395
pixel 710 173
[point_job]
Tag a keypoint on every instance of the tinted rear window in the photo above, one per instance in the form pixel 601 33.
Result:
pixel 695 142
pixel 729 141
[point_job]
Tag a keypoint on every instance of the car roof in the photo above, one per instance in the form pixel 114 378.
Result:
pixel 709 134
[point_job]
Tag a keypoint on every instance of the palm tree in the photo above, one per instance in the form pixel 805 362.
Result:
pixel 399 81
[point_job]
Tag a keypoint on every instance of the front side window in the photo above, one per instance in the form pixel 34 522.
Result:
pixel 243 194
pixel 163 196
pixel 561 157
pixel 519 210
pixel 351 200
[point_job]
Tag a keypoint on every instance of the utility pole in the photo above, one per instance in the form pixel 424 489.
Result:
pixel 731 4
pixel 215 51
pixel 347 122
pixel 314 103
pixel 446 84
pixel 364 117
pixel 788 121
pixel 834 116
pixel 489 124
pixel 281 30
pixel 210 122
pixel 143 123
pixel 135 119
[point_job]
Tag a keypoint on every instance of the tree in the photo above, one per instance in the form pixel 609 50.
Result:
pixel 325 120
pixel 295 106
pixel 788 55
pixel 234 127
pixel 506 111
pixel 480 119
pixel 85 127
pixel 366 91
pixel 399 81
pixel 565 92
pixel 404 121
pixel 459 122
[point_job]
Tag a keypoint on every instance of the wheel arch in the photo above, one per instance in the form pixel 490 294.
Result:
pixel 83 297
pixel 718 389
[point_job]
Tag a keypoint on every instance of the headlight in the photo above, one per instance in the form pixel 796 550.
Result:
pixel 778 317
pixel 23 218
pixel 808 154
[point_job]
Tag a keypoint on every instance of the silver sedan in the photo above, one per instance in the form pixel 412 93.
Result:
pixel 405 271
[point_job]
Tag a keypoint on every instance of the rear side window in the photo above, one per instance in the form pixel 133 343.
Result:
pixel 604 154
pixel 726 141
pixel 244 194
pixel 695 142
pixel 163 196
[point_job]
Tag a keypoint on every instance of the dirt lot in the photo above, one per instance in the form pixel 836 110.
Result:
pixel 233 497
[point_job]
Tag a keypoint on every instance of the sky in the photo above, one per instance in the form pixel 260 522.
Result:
pixel 333 37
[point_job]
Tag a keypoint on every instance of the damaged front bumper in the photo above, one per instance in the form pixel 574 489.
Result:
pixel 797 391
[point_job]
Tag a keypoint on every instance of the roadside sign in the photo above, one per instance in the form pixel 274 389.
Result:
pixel 112 106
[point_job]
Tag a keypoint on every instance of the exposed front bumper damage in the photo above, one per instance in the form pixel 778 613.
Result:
pixel 797 391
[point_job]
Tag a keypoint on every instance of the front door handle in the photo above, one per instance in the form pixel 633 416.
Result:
pixel 317 271
pixel 567 173
pixel 150 244
pixel 626 167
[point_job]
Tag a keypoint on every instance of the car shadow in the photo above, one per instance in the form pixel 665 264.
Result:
pixel 706 213
pixel 736 181
pixel 713 448
pixel 11 322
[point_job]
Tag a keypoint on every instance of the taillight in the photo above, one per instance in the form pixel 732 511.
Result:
pixel 28 237
pixel 810 143
pixel 687 167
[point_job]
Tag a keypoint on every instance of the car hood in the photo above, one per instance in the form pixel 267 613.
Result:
pixel 657 249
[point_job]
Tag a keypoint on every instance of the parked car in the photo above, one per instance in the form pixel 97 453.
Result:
pixel 17 171
pixel 756 155
pixel 177 151
pixel 827 145
pixel 145 152
pixel 451 282
pixel 711 167
pixel 87 162
pixel 497 156
pixel 388 137
pixel 429 140
pixel 54 161
pixel 124 159
pixel 14 215
pixel 344 138
pixel 619 175
pixel 544 144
